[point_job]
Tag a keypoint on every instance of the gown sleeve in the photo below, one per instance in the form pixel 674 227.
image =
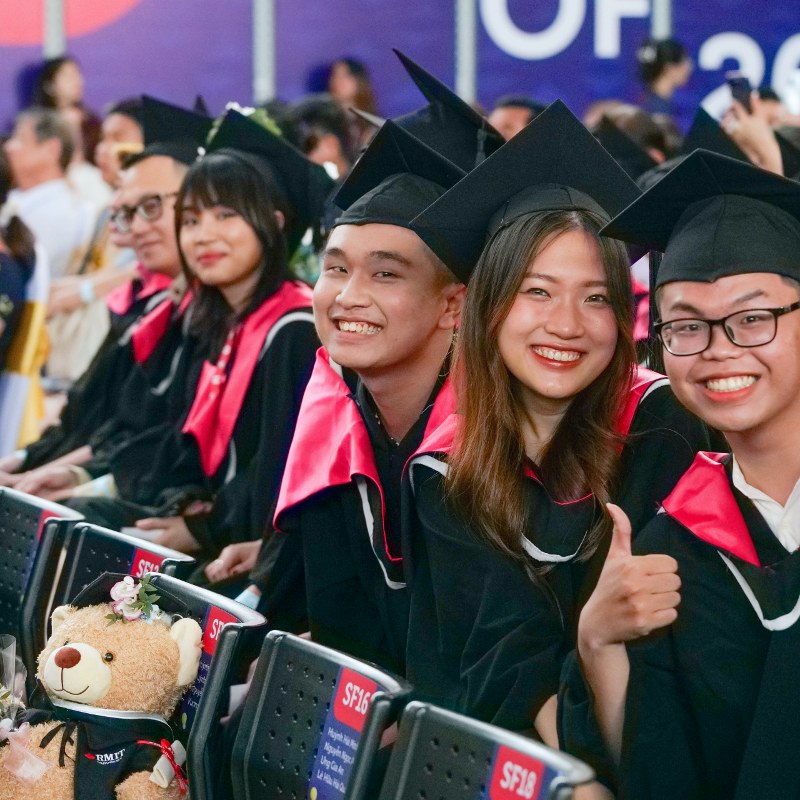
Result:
pixel 661 445
pixel 242 503
pixel 661 743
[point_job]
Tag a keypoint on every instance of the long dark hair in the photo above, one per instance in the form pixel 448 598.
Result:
pixel 244 183
pixel 43 87
pixel 486 478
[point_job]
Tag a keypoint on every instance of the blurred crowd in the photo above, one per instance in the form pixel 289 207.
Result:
pixel 151 255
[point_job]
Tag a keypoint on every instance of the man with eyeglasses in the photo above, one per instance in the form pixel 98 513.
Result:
pixel 708 597
pixel 143 208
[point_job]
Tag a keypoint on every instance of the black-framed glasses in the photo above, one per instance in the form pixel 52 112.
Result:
pixel 751 328
pixel 149 208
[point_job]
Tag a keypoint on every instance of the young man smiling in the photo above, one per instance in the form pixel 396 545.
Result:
pixel 386 310
pixel 712 706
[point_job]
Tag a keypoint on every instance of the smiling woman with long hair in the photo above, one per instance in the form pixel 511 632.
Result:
pixel 248 339
pixel 554 420
pixel 240 210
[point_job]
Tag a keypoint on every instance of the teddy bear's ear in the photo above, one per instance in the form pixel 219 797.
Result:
pixel 188 635
pixel 59 615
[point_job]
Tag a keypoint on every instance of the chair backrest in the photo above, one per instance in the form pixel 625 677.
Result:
pixel 70 560
pixel 229 629
pixel 24 521
pixel 312 723
pixel 443 755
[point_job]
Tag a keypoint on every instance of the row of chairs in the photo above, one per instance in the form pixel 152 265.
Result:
pixel 314 721
pixel 48 554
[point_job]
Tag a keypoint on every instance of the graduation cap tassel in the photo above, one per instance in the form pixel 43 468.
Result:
pixel 656 357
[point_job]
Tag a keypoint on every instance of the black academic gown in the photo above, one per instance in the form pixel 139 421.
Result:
pixel 713 708
pixel 335 559
pixel 484 638
pixel 94 399
pixel 165 467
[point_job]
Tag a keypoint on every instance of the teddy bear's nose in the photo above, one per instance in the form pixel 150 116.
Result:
pixel 67 657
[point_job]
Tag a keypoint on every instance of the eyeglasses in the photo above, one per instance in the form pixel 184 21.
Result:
pixel 149 208
pixel 751 328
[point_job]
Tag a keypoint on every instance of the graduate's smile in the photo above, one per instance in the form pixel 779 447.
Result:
pixel 360 327
pixel 728 387
pixel 210 257
pixel 557 357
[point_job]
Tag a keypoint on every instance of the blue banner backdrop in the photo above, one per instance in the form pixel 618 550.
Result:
pixel 579 50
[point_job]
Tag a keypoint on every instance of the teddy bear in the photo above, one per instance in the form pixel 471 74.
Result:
pixel 113 672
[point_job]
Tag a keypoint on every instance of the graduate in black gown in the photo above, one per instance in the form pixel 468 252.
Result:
pixel 385 309
pixel 712 702
pixel 252 340
pixel 554 419
pixel 143 212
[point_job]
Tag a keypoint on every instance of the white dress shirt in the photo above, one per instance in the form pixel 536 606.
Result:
pixel 784 521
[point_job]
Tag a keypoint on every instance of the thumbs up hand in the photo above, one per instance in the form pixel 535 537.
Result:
pixel 634 595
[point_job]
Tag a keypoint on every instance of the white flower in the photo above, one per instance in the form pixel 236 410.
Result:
pixel 125 589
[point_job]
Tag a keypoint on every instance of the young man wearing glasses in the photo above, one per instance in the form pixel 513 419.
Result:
pixel 144 209
pixel 708 597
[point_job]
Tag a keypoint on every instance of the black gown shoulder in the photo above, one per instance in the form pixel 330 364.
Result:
pixel 484 638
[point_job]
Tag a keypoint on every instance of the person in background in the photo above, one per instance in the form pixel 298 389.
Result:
pixel 121 134
pixel 59 85
pixel 512 112
pixel 17 258
pixel 319 127
pixel 642 129
pixel 110 261
pixel 350 85
pixel 664 66
pixel 115 397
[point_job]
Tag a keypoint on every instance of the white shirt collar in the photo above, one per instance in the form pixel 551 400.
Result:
pixel 784 521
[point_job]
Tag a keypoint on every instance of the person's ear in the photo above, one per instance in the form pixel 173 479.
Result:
pixel 453 296
pixel 280 219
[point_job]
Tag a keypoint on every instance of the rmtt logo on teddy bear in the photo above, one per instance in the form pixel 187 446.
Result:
pixel 106 759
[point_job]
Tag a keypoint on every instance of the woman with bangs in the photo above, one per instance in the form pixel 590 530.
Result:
pixel 212 481
pixel 555 420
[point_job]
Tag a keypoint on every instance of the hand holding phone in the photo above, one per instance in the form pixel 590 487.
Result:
pixel 740 88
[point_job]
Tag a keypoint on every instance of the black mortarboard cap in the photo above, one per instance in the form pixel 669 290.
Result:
pixel 714 216
pixel 304 184
pixel 554 163
pixel 633 159
pixel 705 133
pixel 395 179
pixel 172 131
pixel 448 124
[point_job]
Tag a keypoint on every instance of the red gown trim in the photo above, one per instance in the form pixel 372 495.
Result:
pixel 702 501
pixel 441 440
pixel 120 300
pixel 151 328
pixel 220 394
pixel 331 445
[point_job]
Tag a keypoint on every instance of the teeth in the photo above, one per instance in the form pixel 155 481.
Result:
pixel 731 384
pixel 363 328
pixel 557 355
